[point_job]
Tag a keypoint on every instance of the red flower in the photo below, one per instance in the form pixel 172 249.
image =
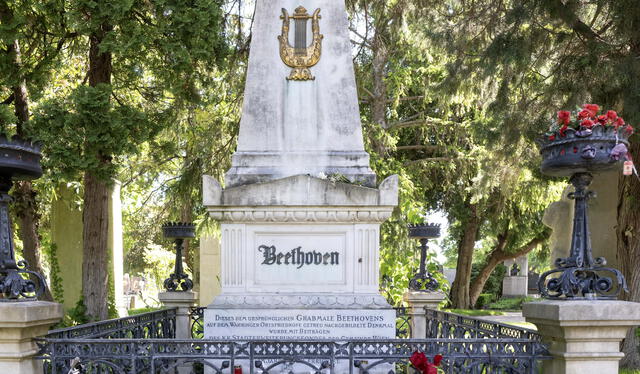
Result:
pixel 612 115
pixel 587 123
pixel 602 119
pixel 563 129
pixel 552 137
pixel 421 362
pixel 585 114
pixel 619 122
pixel 564 117
pixel 593 108
pixel 629 130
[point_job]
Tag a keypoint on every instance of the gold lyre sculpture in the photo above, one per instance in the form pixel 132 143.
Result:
pixel 300 56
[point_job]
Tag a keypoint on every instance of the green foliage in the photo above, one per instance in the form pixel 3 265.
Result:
pixel 55 284
pixel 474 312
pixel 493 286
pixel 485 299
pixel 135 312
pixel 76 315
pixel 510 304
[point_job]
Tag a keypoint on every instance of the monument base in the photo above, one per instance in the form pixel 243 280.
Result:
pixel 303 324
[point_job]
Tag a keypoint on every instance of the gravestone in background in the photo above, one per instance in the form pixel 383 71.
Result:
pixel 301 213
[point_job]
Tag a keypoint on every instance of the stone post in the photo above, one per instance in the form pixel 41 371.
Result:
pixel 583 336
pixel 418 301
pixel 182 301
pixel 20 322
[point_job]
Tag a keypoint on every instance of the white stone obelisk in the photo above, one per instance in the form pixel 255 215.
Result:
pixel 300 251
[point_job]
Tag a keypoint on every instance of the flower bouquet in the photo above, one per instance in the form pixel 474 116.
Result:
pixel 421 363
pixel 584 141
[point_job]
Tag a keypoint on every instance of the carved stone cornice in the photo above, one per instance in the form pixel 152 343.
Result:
pixel 300 214
pixel 275 301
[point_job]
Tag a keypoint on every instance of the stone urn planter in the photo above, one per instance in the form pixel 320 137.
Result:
pixel 578 153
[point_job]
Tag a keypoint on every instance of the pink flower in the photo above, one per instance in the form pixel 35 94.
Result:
pixel 602 119
pixel 552 137
pixel 421 362
pixel 629 130
pixel 619 122
pixel 612 115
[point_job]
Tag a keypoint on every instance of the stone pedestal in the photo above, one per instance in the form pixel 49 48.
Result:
pixel 20 322
pixel 182 301
pixel 515 286
pixel 583 336
pixel 418 301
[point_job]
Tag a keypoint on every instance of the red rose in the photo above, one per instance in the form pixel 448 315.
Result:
pixel 564 117
pixel 437 359
pixel 584 114
pixel 612 115
pixel 593 108
pixel 552 137
pixel 602 119
pixel 419 361
pixel 628 130
pixel 587 123
pixel 619 122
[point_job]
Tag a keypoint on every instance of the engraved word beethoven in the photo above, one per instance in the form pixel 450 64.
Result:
pixel 297 257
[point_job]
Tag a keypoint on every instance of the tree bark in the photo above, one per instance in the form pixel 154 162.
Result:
pixel 96 202
pixel 26 205
pixel 95 259
pixel 497 256
pixel 628 233
pixel 460 289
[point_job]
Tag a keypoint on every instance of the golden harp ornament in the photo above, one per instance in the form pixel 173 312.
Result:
pixel 300 56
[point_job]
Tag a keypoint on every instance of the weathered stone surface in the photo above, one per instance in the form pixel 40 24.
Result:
pixel 182 301
pixel 301 190
pixel 583 336
pixel 20 322
pixel 418 301
pixel 293 127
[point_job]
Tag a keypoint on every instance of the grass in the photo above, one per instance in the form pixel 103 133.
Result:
pixel 510 304
pixel 627 371
pixel 133 312
pixel 474 312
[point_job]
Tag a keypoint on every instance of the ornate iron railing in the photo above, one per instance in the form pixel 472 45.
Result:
pixel 153 325
pixel 111 356
pixel 145 344
pixel 454 326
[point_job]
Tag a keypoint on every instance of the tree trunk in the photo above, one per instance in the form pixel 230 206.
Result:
pixel 497 256
pixel 95 260
pixel 628 233
pixel 460 289
pixel 26 206
pixel 95 214
pixel 379 99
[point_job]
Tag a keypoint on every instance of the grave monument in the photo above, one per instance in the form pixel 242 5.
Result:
pixel 300 213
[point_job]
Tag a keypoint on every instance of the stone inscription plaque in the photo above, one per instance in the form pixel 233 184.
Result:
pixel 285 259
pixel 287 324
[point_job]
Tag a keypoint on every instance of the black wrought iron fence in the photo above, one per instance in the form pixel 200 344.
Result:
pixel 145 344
pixel 158 324
pixel 111 356
pixel 454 326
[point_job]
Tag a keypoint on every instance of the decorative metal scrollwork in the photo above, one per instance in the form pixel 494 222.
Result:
pixel 179 231
pixel 423 280
pixel 300 56
pixel 580 276
pixel 21 160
